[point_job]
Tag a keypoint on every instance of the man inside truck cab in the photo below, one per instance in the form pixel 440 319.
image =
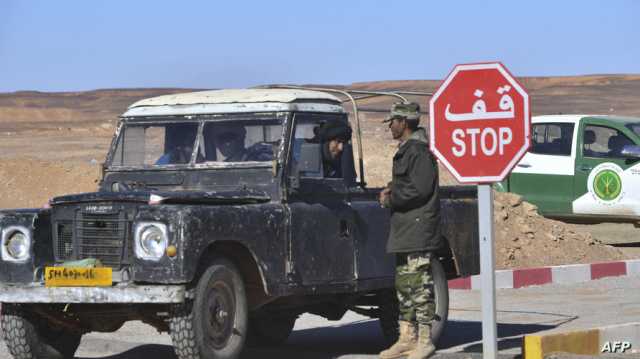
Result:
pixel 227 143
pixel 332 136
pixel 179 140
pixel 229 140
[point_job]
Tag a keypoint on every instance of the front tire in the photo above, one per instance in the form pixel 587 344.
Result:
pixel 389 311
pixel 30 337
pixel 214 325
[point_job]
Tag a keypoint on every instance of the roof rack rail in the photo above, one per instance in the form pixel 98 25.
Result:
pixel 350 97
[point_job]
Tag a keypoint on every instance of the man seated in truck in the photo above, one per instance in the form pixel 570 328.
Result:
pixel 616 144
pixel 230 140
pixel 178 145
pixel 332 135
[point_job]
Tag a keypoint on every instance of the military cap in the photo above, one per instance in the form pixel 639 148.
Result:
pixel 406 110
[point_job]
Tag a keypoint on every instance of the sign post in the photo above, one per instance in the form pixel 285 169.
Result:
pixel 487 272
pixel 479 130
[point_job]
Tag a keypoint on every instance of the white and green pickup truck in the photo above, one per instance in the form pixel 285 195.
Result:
pixel 581 168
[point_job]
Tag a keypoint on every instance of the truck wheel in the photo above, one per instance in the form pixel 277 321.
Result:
pixel 441 291
pixel 215 324
pixel 389 311
pixel 270 330
pixel 29 337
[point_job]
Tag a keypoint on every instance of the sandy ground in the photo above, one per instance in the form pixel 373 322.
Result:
pixel 53 144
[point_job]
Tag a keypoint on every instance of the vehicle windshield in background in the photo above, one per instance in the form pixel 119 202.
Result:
pixel 173 143
pixel 635 127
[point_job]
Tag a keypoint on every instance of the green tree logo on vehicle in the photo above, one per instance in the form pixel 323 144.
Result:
pixel 607 185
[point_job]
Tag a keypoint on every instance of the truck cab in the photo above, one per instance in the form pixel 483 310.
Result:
pixel 582 168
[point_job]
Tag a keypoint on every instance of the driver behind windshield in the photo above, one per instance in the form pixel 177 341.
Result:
pixel 178 145
pixel 230 141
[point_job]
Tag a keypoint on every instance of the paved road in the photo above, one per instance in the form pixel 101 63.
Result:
pixel 521 311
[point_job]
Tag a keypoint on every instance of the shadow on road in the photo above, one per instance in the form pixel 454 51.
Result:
pixel 461 333
pixel 360 338
pixel 144 351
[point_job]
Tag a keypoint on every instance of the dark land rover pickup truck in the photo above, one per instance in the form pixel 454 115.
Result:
pixel 213 222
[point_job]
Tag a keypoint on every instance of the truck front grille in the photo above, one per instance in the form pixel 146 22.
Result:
pixel 102 236
pixel 64 249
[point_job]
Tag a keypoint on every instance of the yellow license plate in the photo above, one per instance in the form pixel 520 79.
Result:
pixel 77 277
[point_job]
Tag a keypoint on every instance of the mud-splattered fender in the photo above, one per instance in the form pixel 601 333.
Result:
pixel 243 232
pixel 252 234
pixel 38 222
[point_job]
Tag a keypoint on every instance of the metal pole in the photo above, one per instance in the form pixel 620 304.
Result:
pixel 487 272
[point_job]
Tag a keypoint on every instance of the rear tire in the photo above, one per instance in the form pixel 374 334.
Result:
pixel 29 337
pixel 441 291
pixel 389 311
pixel 215 324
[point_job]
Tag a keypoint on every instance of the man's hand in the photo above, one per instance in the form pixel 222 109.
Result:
pixel 384 197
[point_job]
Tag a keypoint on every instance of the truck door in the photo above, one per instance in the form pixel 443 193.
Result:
pixel 606 183
pixel 544 176
pixel 321 248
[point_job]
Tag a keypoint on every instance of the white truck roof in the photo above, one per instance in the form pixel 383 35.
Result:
pixel 235 100
pixel 557 118
pixel 576 118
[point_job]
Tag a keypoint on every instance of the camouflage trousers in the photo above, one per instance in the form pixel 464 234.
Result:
pixel 414 286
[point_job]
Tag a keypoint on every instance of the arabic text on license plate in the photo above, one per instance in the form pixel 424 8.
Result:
pixel 78 277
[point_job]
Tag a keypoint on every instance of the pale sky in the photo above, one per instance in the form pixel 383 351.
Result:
pixel 84 45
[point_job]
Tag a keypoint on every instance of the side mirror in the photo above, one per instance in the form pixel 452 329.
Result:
pixel 309 162
pixel 631 151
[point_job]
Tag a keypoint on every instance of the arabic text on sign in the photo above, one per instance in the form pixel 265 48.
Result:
pixel 479 108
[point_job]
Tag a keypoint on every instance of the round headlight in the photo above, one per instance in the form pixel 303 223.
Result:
pixel 153 241
pixel 17 245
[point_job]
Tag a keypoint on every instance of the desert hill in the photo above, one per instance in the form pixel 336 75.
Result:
pixel 602 94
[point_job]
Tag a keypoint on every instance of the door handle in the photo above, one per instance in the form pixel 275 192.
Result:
pixel 586 168
pixel 524 165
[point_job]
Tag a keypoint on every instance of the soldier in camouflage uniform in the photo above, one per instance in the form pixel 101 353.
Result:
pixel 413 199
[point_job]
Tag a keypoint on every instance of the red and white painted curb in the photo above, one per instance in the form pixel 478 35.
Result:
pixel 573 273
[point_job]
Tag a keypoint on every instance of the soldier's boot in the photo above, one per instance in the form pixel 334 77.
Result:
pixel 406 342
pixel 424 347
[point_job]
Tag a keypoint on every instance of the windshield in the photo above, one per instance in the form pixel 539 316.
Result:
pixel 163 144
pixel 635 127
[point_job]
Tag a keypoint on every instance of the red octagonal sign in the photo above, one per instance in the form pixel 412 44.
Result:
pixel 480 122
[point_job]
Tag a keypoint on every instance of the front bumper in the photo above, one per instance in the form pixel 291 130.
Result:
pixel 121 293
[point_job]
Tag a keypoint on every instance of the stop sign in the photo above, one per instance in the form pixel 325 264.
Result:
pixel 479 122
